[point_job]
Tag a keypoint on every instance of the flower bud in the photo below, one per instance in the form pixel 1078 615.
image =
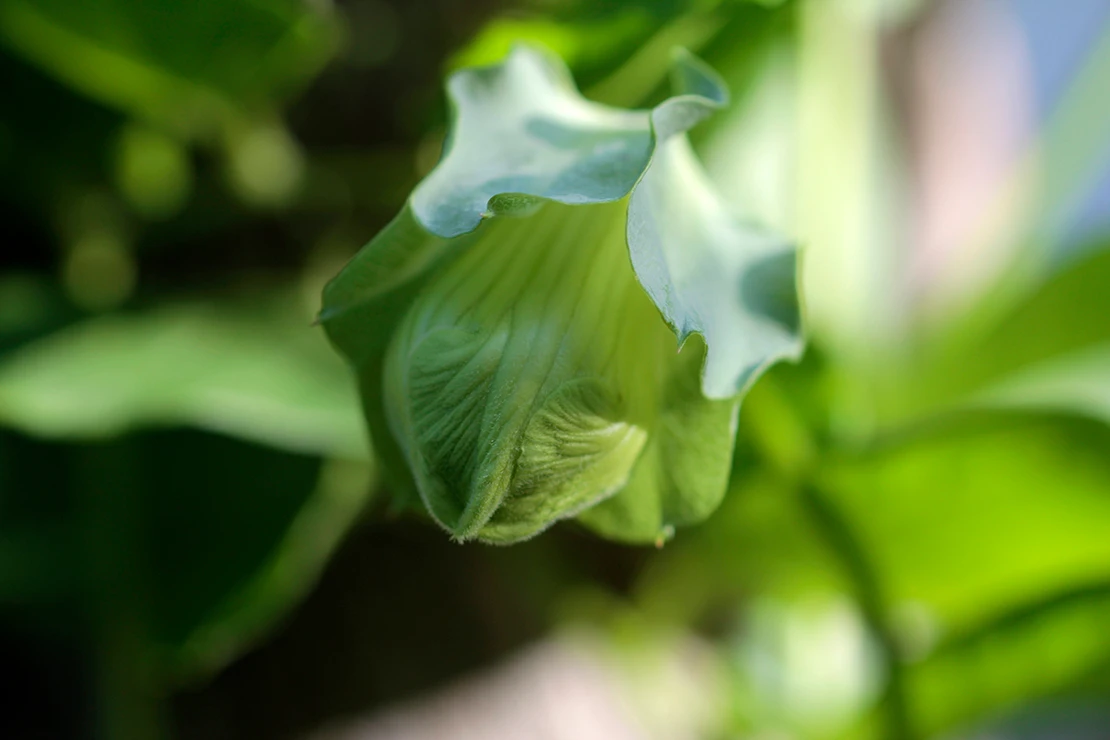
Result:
pixel 563 319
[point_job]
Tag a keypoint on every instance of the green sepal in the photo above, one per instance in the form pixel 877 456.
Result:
pixel 362 307
pixel 682 475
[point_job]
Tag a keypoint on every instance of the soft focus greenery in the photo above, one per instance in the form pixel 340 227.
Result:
pixel 194 541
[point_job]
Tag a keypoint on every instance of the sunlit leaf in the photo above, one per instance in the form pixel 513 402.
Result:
pixel 975 520
pixel 1054 327
pixel 265 376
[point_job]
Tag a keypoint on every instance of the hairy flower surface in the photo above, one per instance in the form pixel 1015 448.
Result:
pixel 564 317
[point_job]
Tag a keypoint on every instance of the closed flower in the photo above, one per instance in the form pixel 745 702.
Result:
pixel 562 320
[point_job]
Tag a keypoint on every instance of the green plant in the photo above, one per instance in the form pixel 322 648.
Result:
pixel 901 534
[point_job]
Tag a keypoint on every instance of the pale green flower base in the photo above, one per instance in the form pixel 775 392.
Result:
pixel 534 378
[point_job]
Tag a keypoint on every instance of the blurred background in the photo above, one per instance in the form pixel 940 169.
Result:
pixel 916 543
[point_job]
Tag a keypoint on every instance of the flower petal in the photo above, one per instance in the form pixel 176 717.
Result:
pixel 522 131
pixel 523 381
pixel 683 472
pixel 711 274
pixel 522 127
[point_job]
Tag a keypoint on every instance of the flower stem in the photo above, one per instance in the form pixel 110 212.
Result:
pixel 853 557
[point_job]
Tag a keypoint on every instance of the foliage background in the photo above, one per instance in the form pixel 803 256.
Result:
pixel 917 539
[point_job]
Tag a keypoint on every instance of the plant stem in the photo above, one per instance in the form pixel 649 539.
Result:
pixel 842 541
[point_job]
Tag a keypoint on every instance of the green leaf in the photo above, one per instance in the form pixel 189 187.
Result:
pixel 1010 341
pixel 974 520
pixel 590 42
pixel 212 538
pixel 1062 315
pixel 175 63
pixel 52 155
pixel 967 528
pixel 1033 654
pixel 523 373
pixel 264 375
pixel 1077 383
pixel 987 544
pixel 759 543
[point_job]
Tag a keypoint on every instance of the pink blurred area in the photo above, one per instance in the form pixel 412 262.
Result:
pixel 984 90
pixel 565 688
pixel 971 127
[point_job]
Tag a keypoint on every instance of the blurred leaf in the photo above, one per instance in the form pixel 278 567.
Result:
pixel 234 534
pixel 986 544
pixel 750 150
pixel 262 375
pixel 578 44
pixel 211 539
pixel 197 543
pixel 1009 335
pixel 175 63
pixel 974 521
pixel 619 51
pixel 1009 665
pixel 1077 383
pixel 759 542
pixel 967 528
pixel 1066 313
pixel 31 305
pixel 38 547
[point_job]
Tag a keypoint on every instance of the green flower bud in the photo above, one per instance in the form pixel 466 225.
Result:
pixel 514 329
